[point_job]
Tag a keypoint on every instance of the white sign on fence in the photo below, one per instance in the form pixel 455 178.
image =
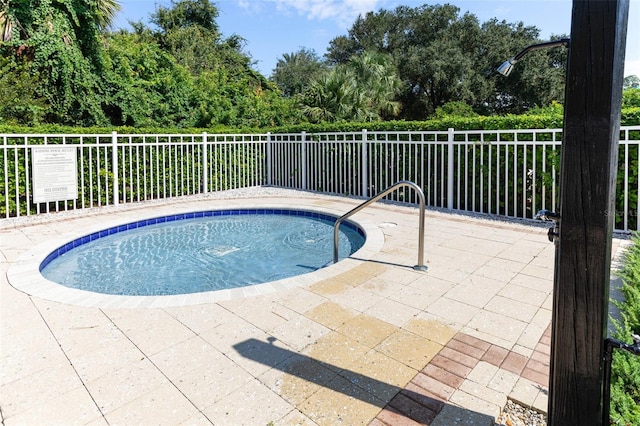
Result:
pixel 55 174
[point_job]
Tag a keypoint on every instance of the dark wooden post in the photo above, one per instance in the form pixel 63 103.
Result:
pixel 587 188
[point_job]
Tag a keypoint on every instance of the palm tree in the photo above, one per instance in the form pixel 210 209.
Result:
pixel 106 11
pixel 362 90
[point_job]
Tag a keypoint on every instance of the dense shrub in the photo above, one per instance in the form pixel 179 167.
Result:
pixel 625 369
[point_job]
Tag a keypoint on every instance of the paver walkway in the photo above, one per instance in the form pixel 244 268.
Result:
pixel 366 341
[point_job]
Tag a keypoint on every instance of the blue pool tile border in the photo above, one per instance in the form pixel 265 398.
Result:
pixel 192 215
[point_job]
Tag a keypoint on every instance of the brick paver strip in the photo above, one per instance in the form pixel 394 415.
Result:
pixel 451 366
pixel 443 375
pixel 425 396
pixel 473 341
pixel 389 416
pixel 495 355
pixel 412 409
pixel 436 387
pixel 466 348
pixel 459 357
pixel 514 363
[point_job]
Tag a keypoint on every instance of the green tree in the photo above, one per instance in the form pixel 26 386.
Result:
pixel 144 86
pixel 295 71
pixel 61 42
pixel 443 57
pixel 362 90
pixel 19 103
pixel 631 82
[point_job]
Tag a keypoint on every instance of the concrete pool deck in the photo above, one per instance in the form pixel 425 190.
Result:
pixel 366 341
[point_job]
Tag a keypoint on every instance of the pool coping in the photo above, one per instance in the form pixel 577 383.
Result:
pixel 25 274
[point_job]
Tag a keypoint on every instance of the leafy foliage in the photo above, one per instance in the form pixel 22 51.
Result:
pixel 445 57
pixel 295 71
pixel 625 368
pixel 19 102
pixel 361 90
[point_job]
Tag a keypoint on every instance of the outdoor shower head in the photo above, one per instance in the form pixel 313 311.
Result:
pixel 507 66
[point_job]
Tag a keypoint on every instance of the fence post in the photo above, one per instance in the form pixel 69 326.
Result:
pixel 304 160
pixel 269 179
pixel 450 165
pixel 205 164
pixel 114 167
pixel 365 165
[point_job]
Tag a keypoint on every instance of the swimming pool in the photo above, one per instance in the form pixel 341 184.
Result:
pixel 200 252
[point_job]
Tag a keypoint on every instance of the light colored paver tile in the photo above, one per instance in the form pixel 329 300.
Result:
pixel 336 351
pixel 299 299
pixel 37 389
pixel 367 330
pixel 197 420
pixel 26 362
pixel 548 303
pixel 133 321
pixel 201 318
pixel 489 338
pixel 525 392
pixel 75 406
pixel 357 299
pixel 535 329
pixel 475 291
pixel 474 403
pixel 295 418
pixel 471 262
pixel 416 297
pixel 192 354
pixel 381 287
pixel 330 314
pixel 251 404
pixel 524 294
pixel 163 336
pixel 445 272
pixel 503 381
pixel 297 378
pixel 342 403
pixel 482 373
pixel 299 332
pixel 330 287
pixel 436 331
pixel 262 313
pixel 498 325
pixel 497 272
pixel 400 275
pixel 410 349
pixel 544 285
pixel 392 312
pixel 163 405
pixel 541 403
pixel 206 385
pixel 380 375
pixel 452 311
pixel 125 385
pixel 511 308
pixel 543 272
pixel 93 364
pixel 484 393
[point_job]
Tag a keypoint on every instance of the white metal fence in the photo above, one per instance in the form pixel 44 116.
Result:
pixel 512 173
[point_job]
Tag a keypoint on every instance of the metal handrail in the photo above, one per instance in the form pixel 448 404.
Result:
pixel 336 228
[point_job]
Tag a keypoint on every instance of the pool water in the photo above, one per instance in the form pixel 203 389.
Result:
pixel 200 254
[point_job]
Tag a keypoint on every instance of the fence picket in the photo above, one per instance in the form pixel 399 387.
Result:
pixel 501 172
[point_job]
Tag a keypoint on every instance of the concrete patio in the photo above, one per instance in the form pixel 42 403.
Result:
pixel 366 341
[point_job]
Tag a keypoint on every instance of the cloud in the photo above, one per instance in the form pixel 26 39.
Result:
pixel 344 12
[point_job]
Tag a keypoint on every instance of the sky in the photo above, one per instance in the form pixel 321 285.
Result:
pixel 272 28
